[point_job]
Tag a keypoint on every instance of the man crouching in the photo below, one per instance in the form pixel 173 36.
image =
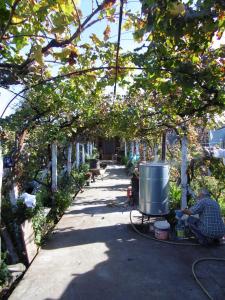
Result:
pixel 209 227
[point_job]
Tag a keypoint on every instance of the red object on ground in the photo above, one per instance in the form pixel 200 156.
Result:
pixel 129 192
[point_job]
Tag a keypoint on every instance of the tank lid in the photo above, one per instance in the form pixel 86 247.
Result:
pixel 162 225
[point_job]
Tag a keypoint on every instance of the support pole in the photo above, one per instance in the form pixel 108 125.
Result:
pixel 91 149
pixel 125 148
pixel 88 149
pixel 13 193
pixel 137 148
pixel 144 151
pixel 69 158
pixel 184 150
pixel 54 167
pixel 1 175
pixel 163 146
pixel 156 153
pixel 77 155
pixel 132 149
pixel 83 154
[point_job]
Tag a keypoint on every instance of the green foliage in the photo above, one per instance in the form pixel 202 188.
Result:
pixel 68 187
pixel 4 272
pixel 43 197
pixel 63 199
pixel 78 179
pixel 213 182
pixel 95 153
pixel 125 160
pixel 84 168
pixel 22 212
pixel 130 166
pixel 40 225
pixel 174 196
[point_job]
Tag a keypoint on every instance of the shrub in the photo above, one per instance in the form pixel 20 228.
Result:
pixel 124 160
pixel 63 200
pixel 84 168
pixel 174 196
pixel 40 225
pixel 4 272
pixel 78 178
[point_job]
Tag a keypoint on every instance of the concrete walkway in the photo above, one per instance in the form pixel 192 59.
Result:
pixel 94 254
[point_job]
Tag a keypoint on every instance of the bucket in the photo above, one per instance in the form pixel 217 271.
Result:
pixel 161 230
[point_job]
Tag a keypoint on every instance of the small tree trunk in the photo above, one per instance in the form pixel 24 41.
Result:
pixel 164 146
pixel 77 155
pixel 69 158
pixel 184 149
pixel 54 167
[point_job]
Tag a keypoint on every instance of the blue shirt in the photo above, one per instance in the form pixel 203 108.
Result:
pixel 211 223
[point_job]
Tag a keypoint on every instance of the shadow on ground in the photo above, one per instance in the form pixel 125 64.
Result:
pixel 136 268
pixel 95 254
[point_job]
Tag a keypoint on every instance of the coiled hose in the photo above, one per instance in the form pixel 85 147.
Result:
pixel 183 244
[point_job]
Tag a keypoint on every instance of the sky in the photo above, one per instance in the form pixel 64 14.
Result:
pixel 86 7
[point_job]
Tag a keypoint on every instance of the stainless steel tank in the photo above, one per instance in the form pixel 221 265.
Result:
pixel 154 188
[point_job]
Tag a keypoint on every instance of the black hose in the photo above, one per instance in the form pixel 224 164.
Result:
pixel 195 276
pixel 154 239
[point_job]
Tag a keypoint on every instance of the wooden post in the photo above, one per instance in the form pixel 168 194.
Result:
pixel 83 154
pixel 54 167
pixel 69 158
pixel 163 146
pixel 184 150
pixel 77 155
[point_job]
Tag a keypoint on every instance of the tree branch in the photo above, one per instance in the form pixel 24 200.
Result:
pixel 118 44
pixel 27 35
pixel 14 6
pixel 55 43
pixel 77 73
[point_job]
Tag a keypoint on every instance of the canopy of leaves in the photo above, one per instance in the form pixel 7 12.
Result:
pixel 183 73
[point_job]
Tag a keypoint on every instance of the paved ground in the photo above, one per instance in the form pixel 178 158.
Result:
pixel 94 254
